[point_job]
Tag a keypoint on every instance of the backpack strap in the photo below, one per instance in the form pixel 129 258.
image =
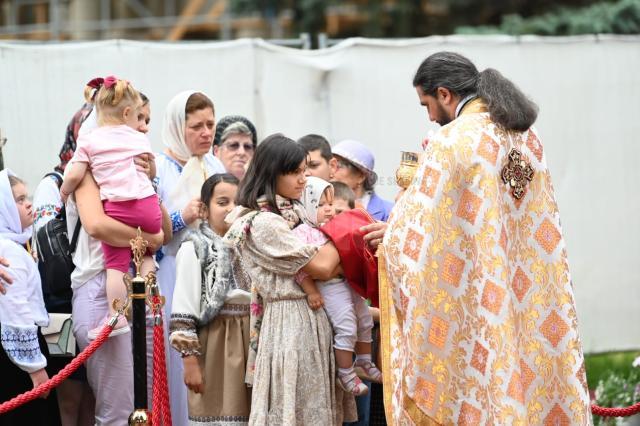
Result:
pixel 76 231
pixel 76 234
pixel 56 176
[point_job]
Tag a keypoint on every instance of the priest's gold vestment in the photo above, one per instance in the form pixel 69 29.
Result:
pixel 479 323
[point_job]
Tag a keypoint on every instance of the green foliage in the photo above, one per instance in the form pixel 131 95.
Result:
pixel 617 390
pixel 620 17
pixel 599 366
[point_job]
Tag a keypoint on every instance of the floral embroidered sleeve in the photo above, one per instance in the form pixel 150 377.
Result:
pixel 177 223
pixel 46 202
pixel 186 302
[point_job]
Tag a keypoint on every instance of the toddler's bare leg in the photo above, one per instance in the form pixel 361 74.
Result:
pixel 147 266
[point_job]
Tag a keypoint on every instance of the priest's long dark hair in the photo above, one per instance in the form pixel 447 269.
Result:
pixel 275 156
pixel 507 105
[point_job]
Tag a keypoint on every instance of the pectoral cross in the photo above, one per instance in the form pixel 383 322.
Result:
pixel 517 173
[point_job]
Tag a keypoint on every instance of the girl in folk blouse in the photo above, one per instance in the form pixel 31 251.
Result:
pixel 210 314
pixel 22 310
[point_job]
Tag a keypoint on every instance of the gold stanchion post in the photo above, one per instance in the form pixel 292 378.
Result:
pixel 136 289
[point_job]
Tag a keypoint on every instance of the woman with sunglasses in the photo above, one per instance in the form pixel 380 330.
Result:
pixel 234 144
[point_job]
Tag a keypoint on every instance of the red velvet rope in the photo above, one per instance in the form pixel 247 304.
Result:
pixel 160 389
pixel 161 408
pixel 617 411
pixel 60 377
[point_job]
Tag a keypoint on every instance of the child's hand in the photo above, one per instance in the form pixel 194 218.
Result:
pixel 193 374
pixel 64 195
pixel 39 377
pixel 315 301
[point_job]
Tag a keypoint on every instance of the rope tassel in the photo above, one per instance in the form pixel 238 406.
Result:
pixel 161 413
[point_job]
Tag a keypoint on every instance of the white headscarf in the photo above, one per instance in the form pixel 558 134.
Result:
pixel 313 191
pixel 10 227
pixel 194 172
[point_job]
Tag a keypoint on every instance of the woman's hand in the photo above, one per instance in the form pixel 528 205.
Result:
pixel 192 211
pixel 5 278
pixel 143 164
pixel 315 300
pixel 38 378
pixel 374 233
pixel 193 374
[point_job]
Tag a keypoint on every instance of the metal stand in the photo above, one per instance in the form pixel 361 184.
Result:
pixel 136 298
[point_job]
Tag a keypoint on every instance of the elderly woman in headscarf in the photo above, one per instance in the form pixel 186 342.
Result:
pixel 234 143
pixel 182 168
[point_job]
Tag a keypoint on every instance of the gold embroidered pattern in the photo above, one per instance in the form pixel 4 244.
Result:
pixel 488 149
pixel 430 182
pixel 469 415
pixel 534 145
pixel 503 239
pixel 548 236
pixel 452 268
pixel 557 417
pixel 554 328
pixel 515 389
pixel 581 375
pixel 479 357
pixel 517 173
pixel 492 297
pixel 413 244
pixel 427 392
pixel 438 332
pixel 520 284
pixel 469 206
pixel 526 375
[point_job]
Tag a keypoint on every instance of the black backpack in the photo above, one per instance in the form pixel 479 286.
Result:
pixel 55 252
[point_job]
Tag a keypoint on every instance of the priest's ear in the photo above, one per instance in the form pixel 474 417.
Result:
pixel 445 96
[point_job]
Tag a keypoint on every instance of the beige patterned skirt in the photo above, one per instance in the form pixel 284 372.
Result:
pixel 226 399
pixel 294 381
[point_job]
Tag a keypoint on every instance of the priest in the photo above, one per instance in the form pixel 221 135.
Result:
pixel 478 314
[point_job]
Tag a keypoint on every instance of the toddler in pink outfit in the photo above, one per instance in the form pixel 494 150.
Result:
pixel 126 193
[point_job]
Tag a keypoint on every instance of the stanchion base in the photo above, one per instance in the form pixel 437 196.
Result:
pixel 139 417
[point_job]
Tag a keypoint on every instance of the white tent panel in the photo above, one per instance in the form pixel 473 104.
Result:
pixel 587 89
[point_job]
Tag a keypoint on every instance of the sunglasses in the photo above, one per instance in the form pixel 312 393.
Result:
pixel 234 146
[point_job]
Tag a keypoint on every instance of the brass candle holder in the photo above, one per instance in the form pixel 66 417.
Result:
pixel 409 163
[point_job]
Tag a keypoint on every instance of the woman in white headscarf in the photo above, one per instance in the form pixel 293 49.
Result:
pixel 22 312
pixel 187 133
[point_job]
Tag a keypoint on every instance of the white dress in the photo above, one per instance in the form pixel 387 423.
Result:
pixel 168 173
pixel 22 309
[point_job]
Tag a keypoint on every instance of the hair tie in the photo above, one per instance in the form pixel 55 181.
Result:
pixel 96 83
pixel 110 81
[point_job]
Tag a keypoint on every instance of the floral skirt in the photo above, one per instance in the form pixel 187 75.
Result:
pixel 294 380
